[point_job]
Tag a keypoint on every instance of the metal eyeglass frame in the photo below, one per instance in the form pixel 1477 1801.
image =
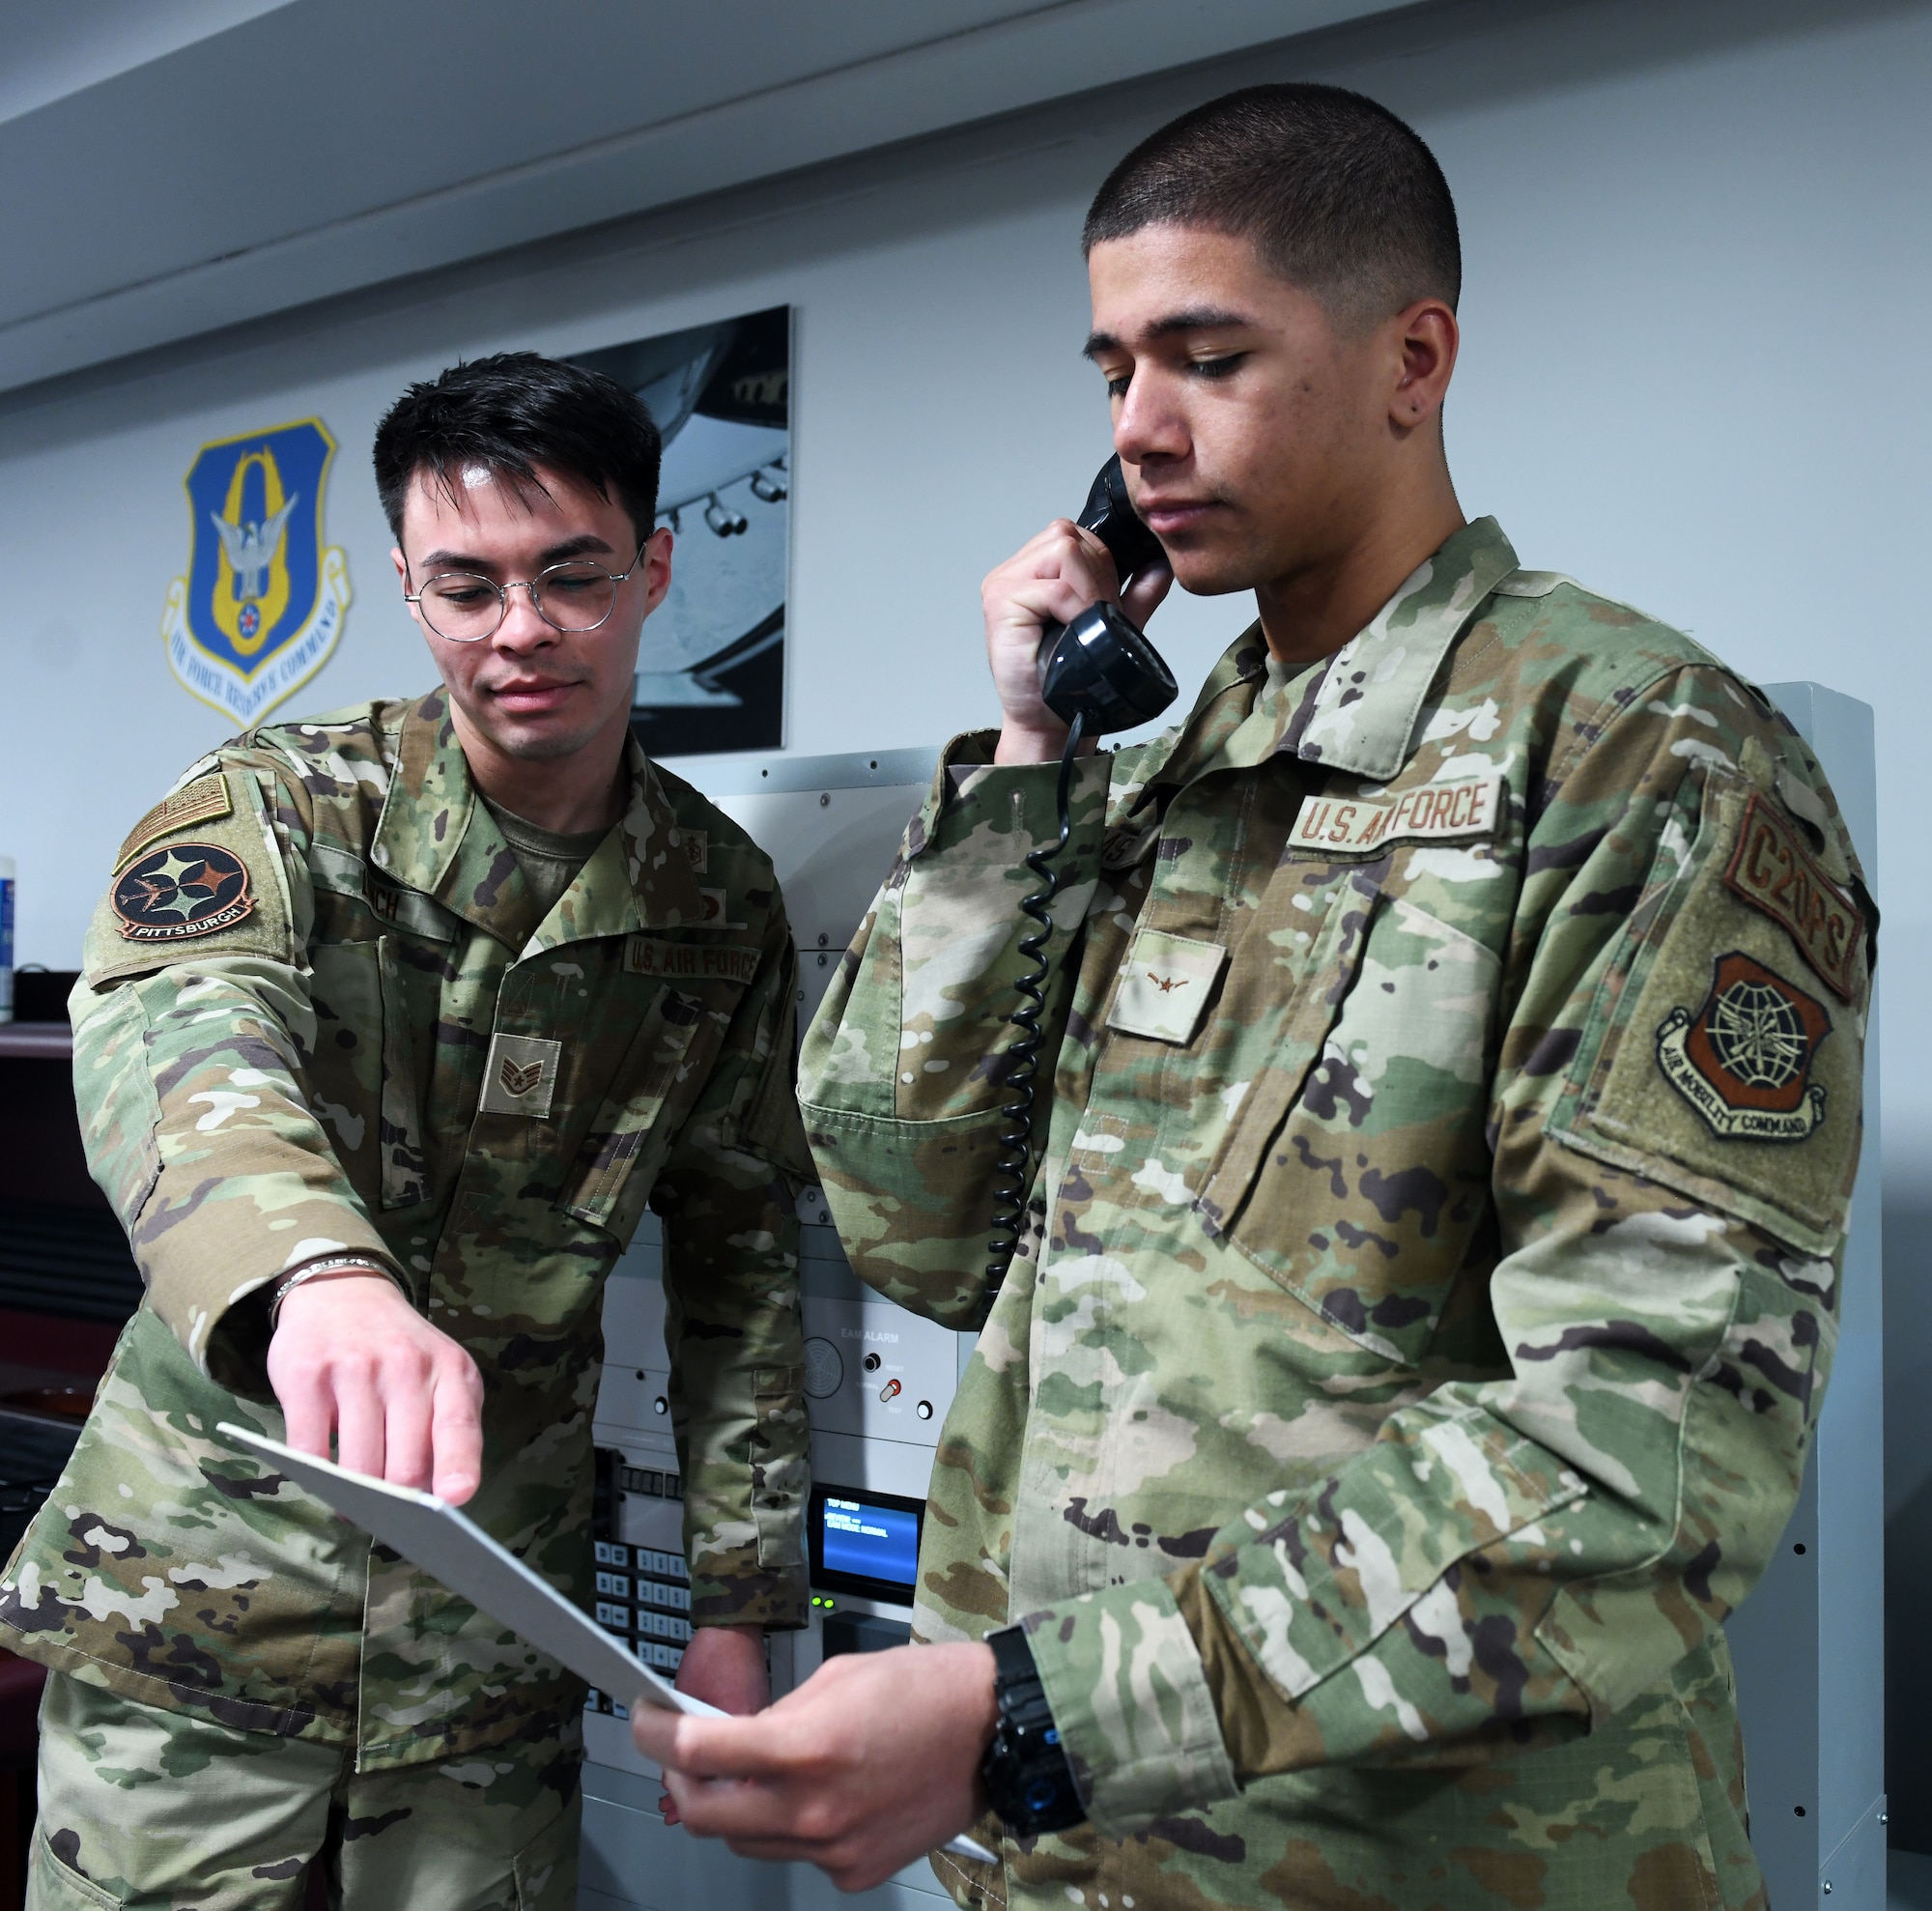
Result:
pixel 534 586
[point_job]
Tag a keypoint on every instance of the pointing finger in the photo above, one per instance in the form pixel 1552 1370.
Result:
pixel 456 1433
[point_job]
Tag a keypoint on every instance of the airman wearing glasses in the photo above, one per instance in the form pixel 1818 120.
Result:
pixel 389 1035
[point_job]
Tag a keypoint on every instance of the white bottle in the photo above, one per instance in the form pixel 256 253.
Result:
pixel 6 938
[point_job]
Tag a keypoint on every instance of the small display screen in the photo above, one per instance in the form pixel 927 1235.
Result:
pixel 866 1542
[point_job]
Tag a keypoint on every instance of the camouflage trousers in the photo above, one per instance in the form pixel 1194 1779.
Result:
pixel 166 1812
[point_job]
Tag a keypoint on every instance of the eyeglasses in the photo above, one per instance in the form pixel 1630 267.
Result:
pixel 464 608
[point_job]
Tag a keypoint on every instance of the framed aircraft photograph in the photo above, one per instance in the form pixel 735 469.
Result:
pixel 711 670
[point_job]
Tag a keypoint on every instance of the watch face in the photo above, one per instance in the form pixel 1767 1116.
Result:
pixel 1026 1770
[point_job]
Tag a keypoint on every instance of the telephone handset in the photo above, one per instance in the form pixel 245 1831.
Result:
pixel 1099 674
pixel 1100 670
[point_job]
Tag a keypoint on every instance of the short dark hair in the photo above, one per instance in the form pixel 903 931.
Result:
pixel 512 413
pixel 1338 195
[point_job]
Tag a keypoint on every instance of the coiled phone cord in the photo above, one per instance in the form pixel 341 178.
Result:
pixel 1022 1082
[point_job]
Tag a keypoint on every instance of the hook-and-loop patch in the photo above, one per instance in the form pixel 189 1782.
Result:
pixel 1430 812
pixel 1774 872
pixel 183 892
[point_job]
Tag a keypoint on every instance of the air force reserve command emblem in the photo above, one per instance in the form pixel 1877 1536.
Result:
pixel 262 605
pixel 1743 1059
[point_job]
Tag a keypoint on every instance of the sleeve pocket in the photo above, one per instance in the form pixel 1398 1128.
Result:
pixel 610 1191
pixel 1713 1060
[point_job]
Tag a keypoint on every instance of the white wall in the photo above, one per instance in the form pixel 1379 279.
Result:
pixel 1696 269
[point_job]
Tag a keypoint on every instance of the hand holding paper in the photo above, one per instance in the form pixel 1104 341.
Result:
pixel 446 1543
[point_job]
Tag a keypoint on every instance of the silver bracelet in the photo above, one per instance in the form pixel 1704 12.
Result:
pixel 328 1263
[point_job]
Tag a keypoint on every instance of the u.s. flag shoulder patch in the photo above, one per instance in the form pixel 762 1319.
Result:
pixel 203 801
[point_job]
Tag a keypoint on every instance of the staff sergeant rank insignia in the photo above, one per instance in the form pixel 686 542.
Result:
pixel 1742 1059
pixel 187 890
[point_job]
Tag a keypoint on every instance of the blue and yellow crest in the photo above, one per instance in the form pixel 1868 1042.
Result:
pixel 262 605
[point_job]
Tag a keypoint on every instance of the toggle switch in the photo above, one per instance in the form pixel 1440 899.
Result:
pixel 890 1391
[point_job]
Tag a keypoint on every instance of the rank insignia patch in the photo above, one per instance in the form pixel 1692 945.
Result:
pixel 1164 991
pixel 262 605
pixel 187 890
pixel 520 1076
pixel 1742 1060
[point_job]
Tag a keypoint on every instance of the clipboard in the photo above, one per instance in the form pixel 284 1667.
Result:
pixel 445 1542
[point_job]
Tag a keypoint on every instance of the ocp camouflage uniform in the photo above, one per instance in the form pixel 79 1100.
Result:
pixel 1456 1064
pixel 384 1052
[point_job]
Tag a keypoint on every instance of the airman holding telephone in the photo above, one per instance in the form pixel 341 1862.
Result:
pixel 1428 1268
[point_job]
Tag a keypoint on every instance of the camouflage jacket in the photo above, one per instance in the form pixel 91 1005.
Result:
pixel 1456 1078
pixel 318 1015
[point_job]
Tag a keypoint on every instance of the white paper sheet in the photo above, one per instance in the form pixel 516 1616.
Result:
pixel 445 1542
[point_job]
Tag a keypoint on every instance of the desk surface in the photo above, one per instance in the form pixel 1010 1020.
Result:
pixel 40 1041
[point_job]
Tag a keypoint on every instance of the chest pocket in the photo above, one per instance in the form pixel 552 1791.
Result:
pixel 1357 1169
pixel 362 1071
pixel 632 1130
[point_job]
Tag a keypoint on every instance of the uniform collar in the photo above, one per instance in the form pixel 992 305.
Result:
pixel 1357 714
pixel 639 877
pixel 436 836
pixel 1360 716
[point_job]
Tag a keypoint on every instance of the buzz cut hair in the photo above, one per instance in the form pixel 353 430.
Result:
pixel 1337 196
pixel 517 413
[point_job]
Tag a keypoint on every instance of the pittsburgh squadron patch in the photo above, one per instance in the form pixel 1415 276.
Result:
pixel 187 890
pixel 1742 1059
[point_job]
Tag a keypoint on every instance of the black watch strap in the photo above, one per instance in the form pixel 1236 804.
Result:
pixel 1026 1770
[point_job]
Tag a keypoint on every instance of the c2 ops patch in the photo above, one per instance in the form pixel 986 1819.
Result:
pixel 183 890
pixel 1743 1057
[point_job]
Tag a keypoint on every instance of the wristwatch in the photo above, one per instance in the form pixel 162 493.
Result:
pixel 1026 1770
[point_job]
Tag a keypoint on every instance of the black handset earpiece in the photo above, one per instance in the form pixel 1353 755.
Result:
pixel 1099 674
pixel 1100 668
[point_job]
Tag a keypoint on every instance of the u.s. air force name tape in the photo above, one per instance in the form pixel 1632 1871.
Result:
pixel 1431 812
pixel 690 962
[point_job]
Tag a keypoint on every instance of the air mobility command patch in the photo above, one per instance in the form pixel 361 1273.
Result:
pixel 1771 871
pixel 182 892
pixel 1743 1057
